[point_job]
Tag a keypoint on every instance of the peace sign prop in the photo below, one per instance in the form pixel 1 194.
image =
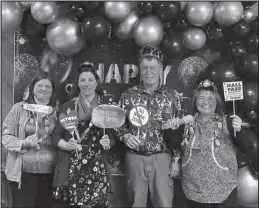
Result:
pixel 139 117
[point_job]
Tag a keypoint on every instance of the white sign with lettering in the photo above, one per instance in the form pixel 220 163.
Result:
pixel 233 90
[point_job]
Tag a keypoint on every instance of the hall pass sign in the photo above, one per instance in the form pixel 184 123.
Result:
pixel 233 90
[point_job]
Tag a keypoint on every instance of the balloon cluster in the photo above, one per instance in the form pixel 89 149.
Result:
pixel 177 27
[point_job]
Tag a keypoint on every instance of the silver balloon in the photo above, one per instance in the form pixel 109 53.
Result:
pixel 249 15
pixel 148 31
pixel 12 15
pixel 247 187
pixel 199 13
pixel 64 36
pixel 228 13
pixel 194 38
pixel 117 11
pixel 124 30
pixel 25 4
pixel 44 12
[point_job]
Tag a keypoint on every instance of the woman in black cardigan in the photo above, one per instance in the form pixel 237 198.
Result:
pixel 81 174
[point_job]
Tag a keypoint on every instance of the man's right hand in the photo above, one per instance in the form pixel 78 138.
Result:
pixel 30 141
pixel 131 141
pixel 71 145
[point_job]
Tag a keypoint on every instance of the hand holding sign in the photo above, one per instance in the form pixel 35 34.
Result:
pixel 233 91
pixel 41 111
pixel 107 116
pixel 138 117
pixel 69 122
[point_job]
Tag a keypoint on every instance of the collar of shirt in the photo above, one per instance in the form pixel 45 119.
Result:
pixel 142 89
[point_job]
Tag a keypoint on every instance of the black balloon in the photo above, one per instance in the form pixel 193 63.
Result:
pixel 167 26
pixel 254 166
pixel 249 66
pixel 234 43
pixel 214 31
pixel 209 54
pixel 92 6
pixel 238 31
pixel 250 92
pixel 248 144
pixel 252 43
pixel 248 4
pixel 254 25
pixel 146 7
pixel 238 51
pixel 32 29
pixel 241 159
pixel 180 24
pixel 77 11
pixel 172 44
pixel 222 72
pixel 250 115
pixel 167 11
pixel 95 28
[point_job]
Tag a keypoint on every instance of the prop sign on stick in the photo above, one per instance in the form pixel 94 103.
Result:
pixel 69 122
pixel 41 110
pixel 108 116
pixel 233 91
pixel 138 117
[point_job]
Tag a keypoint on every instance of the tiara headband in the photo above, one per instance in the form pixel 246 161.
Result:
pixel 86 63
pixel 151 51
pixel 207 85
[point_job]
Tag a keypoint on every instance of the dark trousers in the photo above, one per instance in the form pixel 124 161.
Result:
pixel 35 192
pixel 231 201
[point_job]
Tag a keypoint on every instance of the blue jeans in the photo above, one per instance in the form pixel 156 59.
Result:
pixel 149 175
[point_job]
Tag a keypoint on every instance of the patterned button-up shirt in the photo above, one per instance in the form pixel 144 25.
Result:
pixel 163 104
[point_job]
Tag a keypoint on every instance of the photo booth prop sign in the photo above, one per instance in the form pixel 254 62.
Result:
pixel 108 116
pixel 233 91
pixel 70 122
pixel 138 117
pixel 41 111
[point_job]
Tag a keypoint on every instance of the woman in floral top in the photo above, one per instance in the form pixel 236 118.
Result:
pixel 81 174
pixel 209 163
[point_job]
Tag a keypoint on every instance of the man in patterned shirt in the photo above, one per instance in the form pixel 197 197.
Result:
pixel 150 160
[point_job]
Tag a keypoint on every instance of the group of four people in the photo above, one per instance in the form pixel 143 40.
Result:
pixel 45 160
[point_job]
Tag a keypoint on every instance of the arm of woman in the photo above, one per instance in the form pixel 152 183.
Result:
pixel 245 140
pixel 112 136
pixel 58 133
pixel 10 129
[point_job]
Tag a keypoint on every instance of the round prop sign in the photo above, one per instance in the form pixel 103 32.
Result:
pixel 138 116
pixel 108 116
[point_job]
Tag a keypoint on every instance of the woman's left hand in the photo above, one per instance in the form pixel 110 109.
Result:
pixel 236 123
pixel 105 142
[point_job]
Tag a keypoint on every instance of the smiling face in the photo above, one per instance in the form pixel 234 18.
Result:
pixel 87 83
pixel 43 90
pixel 150 69
pixel 206 102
